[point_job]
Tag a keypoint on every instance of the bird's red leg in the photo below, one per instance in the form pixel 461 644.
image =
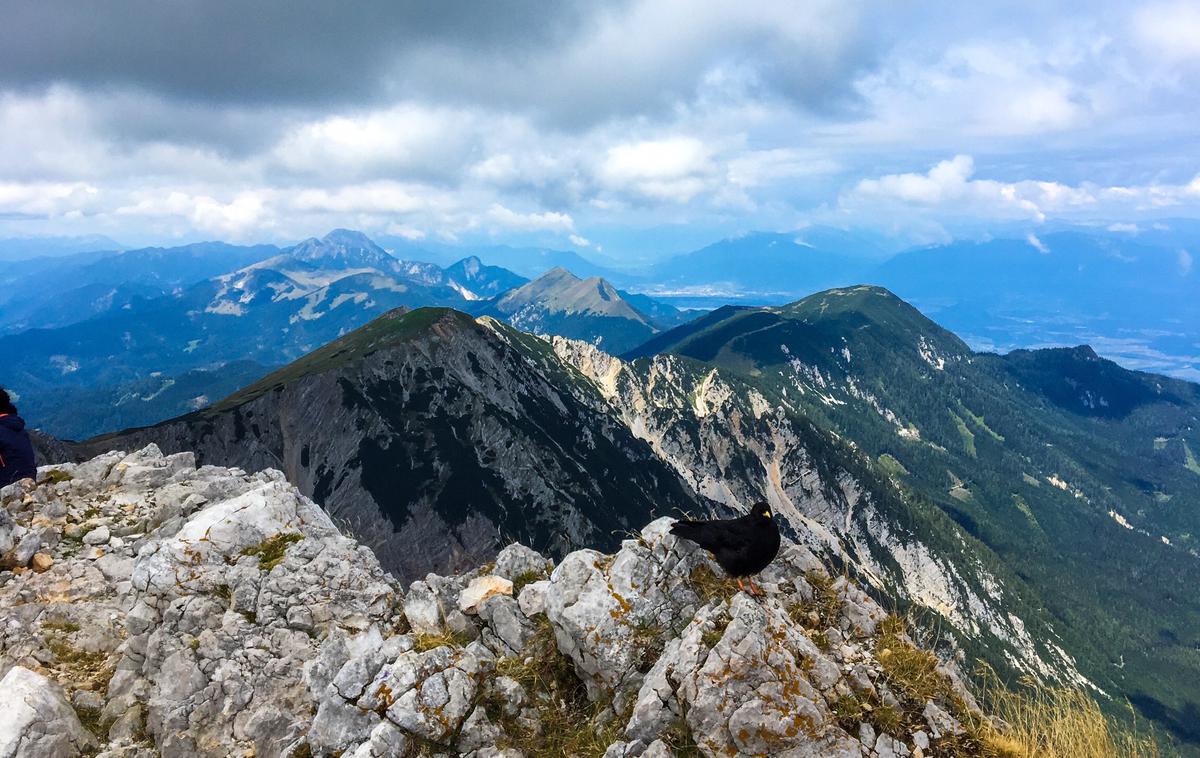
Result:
pixel 754 590
pixel 741 586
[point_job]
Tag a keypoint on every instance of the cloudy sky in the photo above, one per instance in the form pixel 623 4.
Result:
pixel 627 127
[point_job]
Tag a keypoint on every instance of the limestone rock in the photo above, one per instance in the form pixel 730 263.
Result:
pixel 36 721
pixel 219 613
pixel 480 589
pixel 517 560
pixel 98 536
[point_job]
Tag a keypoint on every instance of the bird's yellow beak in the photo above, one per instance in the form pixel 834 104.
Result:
pixel 767 514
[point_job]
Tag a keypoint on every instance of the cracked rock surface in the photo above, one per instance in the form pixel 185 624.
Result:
pixel 188 611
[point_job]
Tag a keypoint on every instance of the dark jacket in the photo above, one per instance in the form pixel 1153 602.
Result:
pixel 16 451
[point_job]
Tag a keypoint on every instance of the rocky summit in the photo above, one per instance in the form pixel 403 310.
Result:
pixel 157 608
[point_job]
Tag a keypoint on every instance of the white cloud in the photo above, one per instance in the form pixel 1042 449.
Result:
pixel 579 241
pixel 753 114
pixel 1185 262
pixel 1120 227
pixel 949 189
pixel 46 198
pixel 676 169
pixel 1169 30
pixel 407 232
pixel 1037 244
pixel 245 214
pixel 407 138
pixel 548 221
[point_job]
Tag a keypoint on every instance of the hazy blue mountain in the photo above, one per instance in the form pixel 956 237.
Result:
pixel 529 262
pixel 54 292
pixel 279 307
pixel 24 248
pixel 74 412
pixel 768 265
pixel 473 276
pixel 1134 301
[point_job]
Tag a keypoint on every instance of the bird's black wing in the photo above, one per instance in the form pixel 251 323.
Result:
pixel 714 536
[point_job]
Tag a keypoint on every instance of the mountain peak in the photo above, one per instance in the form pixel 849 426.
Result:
pixel 558 290
pixel 343 248
pixel 397 325
pixel 556 275
pixel 348 237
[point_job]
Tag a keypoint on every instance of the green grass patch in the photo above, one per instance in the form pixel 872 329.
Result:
pixel 1022 506
pixel 1189 460
pixel 270 551
pixel 92 721
pixel 892 466
pixel 54 476
pixel 680 741
pixel 968 437
pixel 525 578
pixel 979 422
pixel 857 708
pixel 425 642
pixel 958 489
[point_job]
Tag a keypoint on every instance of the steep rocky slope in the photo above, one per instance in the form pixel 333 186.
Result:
pixel 1068 479
pixel 175 611
pixel 435 438
pixel 735 446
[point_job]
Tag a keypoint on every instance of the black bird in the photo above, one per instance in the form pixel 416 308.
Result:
pixel 742 546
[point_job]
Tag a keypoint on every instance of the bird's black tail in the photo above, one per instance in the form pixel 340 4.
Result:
pixel 689 530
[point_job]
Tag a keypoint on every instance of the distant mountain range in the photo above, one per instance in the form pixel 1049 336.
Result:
pixel 1135 299
pixel 50 292
pixel 115 321
pixel 131 338
pixel 27 248
pixel 1036 507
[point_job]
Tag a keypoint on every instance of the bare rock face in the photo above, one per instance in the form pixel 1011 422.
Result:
pixel 36 721
pixel 226 615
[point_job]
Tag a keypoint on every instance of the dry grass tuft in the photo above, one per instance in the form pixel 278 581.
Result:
pixel 568 723
pixel 821 612
pixel 710 586
pixel 1034 721
pixel 425 642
